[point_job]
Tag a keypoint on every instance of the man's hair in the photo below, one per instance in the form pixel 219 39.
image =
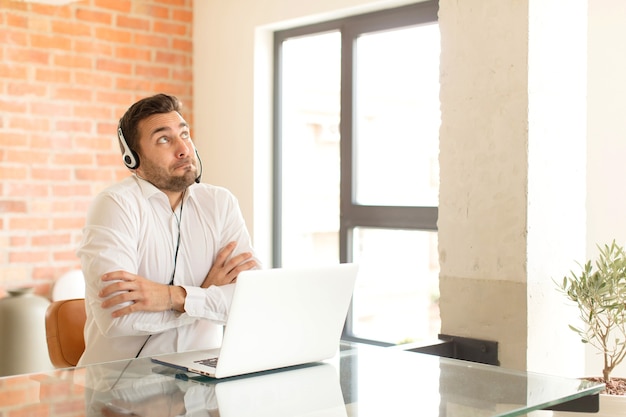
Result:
pixel 146 107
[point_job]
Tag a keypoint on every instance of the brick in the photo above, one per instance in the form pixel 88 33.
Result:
pixel 114 97
pixel 54 75
pixel 133 84
pixel 185 16
pixel 12 206
pixel 62 12
pixel 70 190
pixel 73 125
pixel 106 128
pixel 9 37
pixel 152 71
pixel 67 223
pixel 19 241
pixel 51 240
pixel 124 21
pixel 108 159
pixel 48 141
pixel 62 206
pixel 38 23
pixel 73 94
pixel 95 174
pixel 92 78
pixel 27 56
pixel 15 88
pixel 46 272
pixel 31 156
pixel 13 106
pixel 12 173
pixel 73 159
pixel 172 28
pixel 13 71
pixel 73 61
pixel 93 111
pixel 14 190
pixel 183 45
pixel 50 174
pixel 113 35
pixel 92 47
pixel 151 40
pixel 29 223
pixel 29 123
pixel 154 11
pixel 136 54
pixel 173 58
pixel 171 88
pixel 98 144
pixel 18 21
pixel 118 5
pixel 50 108
pixel 67 255
pixel 65 27
pixel 29 256
pixel 114 66
pixel 50 42
pixel 182 75
pixel 94 16
pixel 178 3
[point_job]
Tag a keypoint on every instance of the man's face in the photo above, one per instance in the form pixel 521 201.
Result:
pixel 166 152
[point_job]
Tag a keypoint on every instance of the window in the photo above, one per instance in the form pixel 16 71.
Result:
pixel 356 163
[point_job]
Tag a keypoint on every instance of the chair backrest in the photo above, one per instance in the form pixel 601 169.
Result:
pixel 65 322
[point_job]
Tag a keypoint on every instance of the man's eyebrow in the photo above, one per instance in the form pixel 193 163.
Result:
pixel 164 128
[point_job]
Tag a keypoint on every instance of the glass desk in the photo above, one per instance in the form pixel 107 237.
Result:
pixel 359 381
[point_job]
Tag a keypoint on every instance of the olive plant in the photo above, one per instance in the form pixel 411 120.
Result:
pixel 600 295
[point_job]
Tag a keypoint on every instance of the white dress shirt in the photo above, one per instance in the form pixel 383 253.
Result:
pixel 130 226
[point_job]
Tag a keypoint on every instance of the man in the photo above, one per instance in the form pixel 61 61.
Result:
pixel 160 251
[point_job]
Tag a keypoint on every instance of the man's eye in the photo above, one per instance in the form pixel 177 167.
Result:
pixel 185 135
pixel 162 139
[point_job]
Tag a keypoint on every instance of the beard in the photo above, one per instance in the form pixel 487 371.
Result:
pixel 163 180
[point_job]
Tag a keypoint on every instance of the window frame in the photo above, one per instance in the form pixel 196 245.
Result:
pixel 352 215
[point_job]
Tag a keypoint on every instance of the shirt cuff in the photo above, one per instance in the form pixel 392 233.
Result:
pixel 212 303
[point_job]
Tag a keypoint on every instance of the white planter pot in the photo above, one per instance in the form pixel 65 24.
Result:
pixel 610 406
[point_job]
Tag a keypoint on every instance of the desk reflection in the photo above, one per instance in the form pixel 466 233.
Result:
pixel 127 389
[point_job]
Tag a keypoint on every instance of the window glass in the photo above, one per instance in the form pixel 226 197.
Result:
pixel 396 299
pixel 311 68
pixel 397 117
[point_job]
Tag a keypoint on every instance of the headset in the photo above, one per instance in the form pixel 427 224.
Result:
pixel 131 159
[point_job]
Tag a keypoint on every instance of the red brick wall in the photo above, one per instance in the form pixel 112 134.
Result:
pixel 67 74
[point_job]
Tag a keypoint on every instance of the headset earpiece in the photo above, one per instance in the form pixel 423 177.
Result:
pixel 130 157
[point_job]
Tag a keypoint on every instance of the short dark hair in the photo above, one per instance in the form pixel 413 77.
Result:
pixel 146 107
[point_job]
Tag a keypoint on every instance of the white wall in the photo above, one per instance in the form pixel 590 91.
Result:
pixel 606 134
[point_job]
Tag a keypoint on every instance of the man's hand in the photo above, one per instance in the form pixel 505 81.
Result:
pixel 144 295
pixel 225 271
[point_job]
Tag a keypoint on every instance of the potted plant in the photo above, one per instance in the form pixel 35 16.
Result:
pixel 599 292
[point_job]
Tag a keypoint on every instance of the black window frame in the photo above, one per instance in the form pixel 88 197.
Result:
pixel 351 214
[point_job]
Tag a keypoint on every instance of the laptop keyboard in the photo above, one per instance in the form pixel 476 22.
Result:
pixel 212 362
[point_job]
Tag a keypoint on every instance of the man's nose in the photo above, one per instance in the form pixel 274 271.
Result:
pixel 183 147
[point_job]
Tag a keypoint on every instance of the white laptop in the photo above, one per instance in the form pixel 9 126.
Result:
pixel 278 318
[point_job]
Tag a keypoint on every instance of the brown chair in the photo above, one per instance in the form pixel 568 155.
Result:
pixel 65 321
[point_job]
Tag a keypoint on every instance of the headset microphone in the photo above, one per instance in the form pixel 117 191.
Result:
pixel 130 157
pixel 199 177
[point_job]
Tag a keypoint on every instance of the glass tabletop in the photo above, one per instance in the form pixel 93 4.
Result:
pixel 360 380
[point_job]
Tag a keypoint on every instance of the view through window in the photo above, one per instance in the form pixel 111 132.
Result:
pixel 367 171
